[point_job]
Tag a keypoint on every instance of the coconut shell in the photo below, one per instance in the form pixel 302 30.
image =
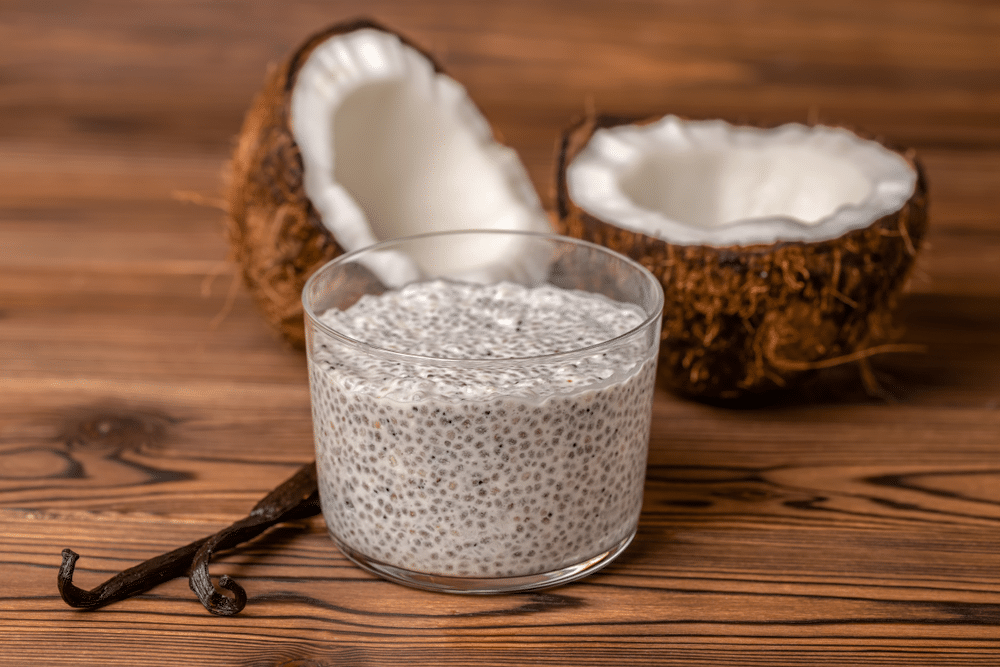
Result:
pixel 276 235
pixel 745 320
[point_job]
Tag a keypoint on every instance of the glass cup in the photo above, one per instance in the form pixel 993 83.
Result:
pixel 492 457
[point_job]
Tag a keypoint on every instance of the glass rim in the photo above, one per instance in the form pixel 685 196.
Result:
pixel 406 357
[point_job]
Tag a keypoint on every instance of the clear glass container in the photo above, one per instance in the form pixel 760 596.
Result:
pixel 481 406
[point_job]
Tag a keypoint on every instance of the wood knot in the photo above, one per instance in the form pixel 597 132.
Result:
pixel 115 429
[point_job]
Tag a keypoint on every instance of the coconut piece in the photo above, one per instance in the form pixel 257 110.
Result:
pixel 780 251
pixel 358 137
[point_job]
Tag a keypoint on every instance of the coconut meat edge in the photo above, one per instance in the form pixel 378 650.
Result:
pixel 712 183
pixel 391 148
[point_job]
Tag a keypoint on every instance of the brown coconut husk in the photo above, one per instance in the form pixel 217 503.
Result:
pixel 275 233
pixel 747 320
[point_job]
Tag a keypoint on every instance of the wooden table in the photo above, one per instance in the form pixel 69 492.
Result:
pixel 145 404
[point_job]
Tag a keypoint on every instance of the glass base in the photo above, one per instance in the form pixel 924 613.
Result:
pixel 488 585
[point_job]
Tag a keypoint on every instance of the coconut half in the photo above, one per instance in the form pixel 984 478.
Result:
pixel 359 137
pixel 780 250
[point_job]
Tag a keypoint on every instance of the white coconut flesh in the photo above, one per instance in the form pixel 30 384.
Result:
pixel 712 183
pixel 391 148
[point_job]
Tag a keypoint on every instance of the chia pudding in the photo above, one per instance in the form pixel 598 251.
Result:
pixel 494 462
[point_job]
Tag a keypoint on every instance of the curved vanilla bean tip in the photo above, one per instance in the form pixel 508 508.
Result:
pixel 72 594
pixel 213 600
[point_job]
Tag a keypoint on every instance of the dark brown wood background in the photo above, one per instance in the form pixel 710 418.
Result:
pixel 144 404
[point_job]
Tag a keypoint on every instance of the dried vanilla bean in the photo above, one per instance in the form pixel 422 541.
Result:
pixel 296 498
pixel 128 583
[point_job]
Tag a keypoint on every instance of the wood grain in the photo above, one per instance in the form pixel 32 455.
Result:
pixel 145 404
